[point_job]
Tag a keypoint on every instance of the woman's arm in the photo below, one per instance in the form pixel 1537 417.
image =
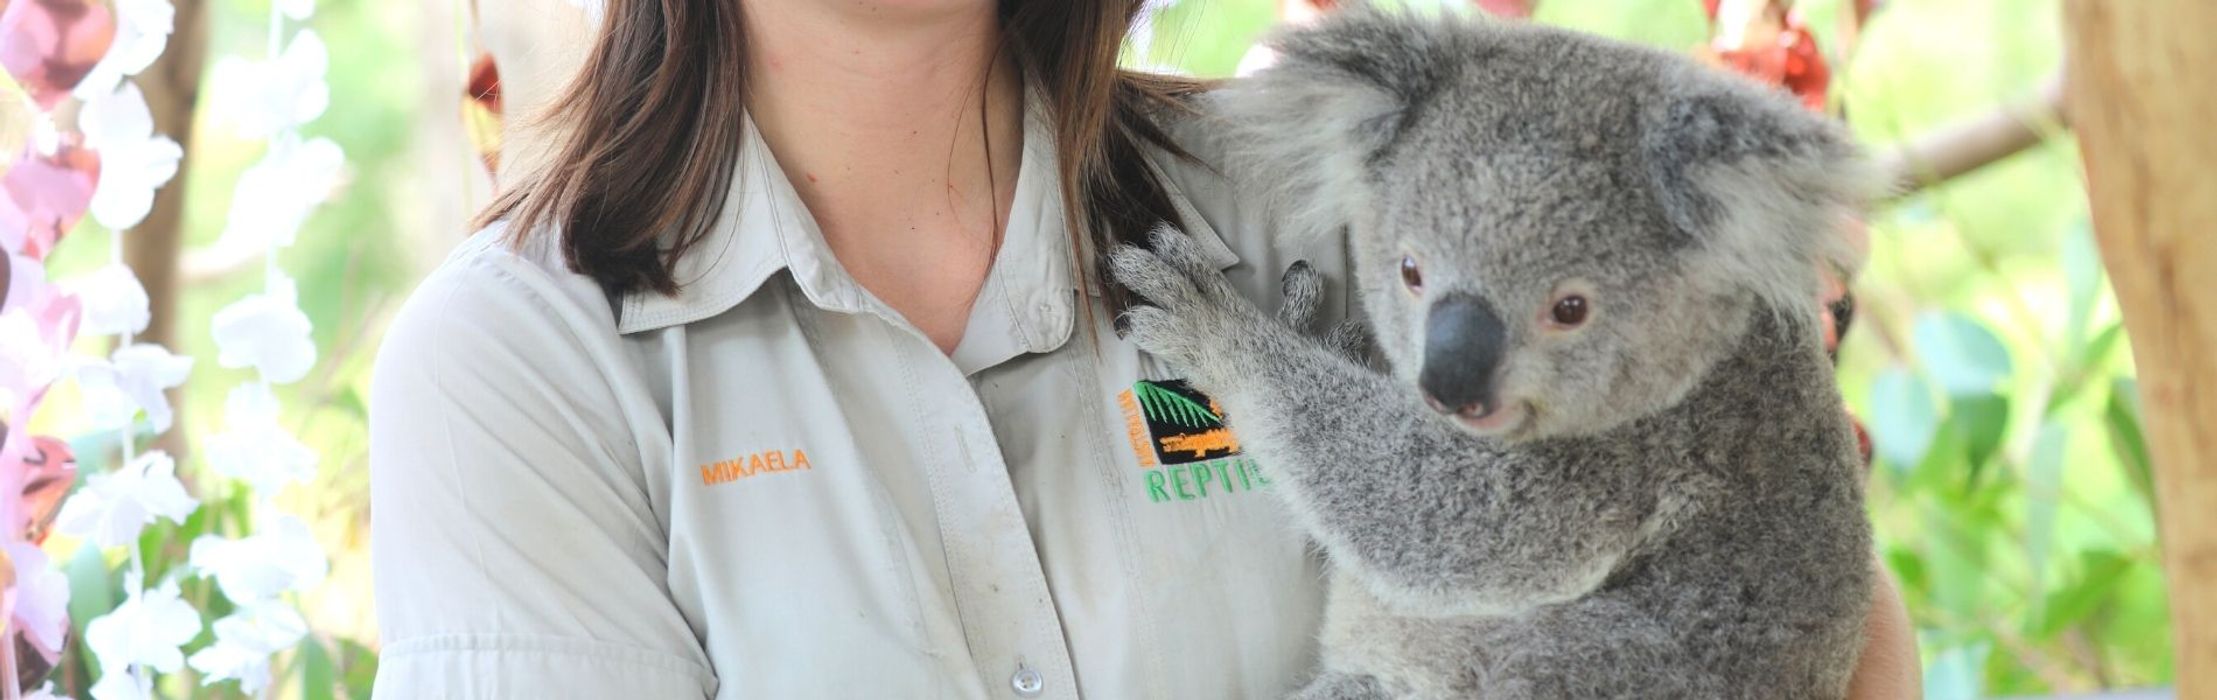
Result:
pixel 1888 669
pixel 515 548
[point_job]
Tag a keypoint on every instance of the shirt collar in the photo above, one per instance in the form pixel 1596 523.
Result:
pixel 1026 304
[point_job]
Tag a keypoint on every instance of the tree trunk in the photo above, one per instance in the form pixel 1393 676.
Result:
pixel 2141 100
pixel 172 87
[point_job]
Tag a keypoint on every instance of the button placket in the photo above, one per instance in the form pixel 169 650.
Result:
pixel 1007 613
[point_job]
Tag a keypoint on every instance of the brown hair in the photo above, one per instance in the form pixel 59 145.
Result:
pixel 649 137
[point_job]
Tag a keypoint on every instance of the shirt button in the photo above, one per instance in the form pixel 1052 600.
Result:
pixel 1027 682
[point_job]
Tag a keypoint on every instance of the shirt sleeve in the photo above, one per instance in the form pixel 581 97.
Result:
pixel 516 551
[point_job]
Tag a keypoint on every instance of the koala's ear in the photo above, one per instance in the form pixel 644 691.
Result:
pixel 1306 133
pixel 1766 188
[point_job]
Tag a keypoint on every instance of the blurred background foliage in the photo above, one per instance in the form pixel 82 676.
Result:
pixel 2010 494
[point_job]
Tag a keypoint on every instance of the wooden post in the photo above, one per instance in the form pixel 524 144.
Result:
pixel 2142 101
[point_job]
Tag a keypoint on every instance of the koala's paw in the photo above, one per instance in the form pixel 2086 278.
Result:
pixel 1193 317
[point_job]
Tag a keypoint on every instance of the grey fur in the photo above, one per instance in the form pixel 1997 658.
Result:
pixel 1679 513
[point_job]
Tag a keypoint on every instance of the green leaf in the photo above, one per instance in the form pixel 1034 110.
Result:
pixel 2098 350
pixel 2043 488
pixel 350 401
pixel 1961 354
pixel 2082 272
pixel 358 668
pixel 2099 573
pixel 1981 421
pixel 317 678
pixel 1902 417
pixel 1942 464
pixel 1909 570
pixel 1954 673
pixel 92 587
pixel 2084 362
pixel 2122 416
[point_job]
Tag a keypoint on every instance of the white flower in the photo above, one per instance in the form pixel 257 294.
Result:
pixel 297 9
pixel 41 596
pixel 26 277
pixel 133 161
pixel 282 557
pixel 244 642
pixel 115 302
pixel 31 357
pixel 142 29
pixel 44 692
pixel 268 332
pixel 132 380
pixel 254 447
pixel 146 630
pixel 119 685
pixel 111 508
pixel 262 98
pixel 275 196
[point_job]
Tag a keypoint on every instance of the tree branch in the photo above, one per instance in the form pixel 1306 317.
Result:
pixel 1965 146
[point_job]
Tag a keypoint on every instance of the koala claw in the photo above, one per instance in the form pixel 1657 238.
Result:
pixel 1191 312
pixel 1304 296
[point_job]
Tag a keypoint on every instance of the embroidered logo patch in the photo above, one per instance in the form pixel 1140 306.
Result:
pixel 756 464
pixel 1184 448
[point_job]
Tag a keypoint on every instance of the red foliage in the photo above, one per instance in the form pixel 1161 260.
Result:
pixel 1792 62
pixel 1519 9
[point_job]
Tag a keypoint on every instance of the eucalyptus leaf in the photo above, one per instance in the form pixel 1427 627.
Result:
pixel 2043 488
pixel 1902 417
pixel 1960 353
pixel 350 402
pixel 357 668
pixel 2122 417
pixel 318 679
pixel 1982 421
pixel 1954 673
pixel 1941 470
pixel 2082 272
pixel 2098 575
pixel 1909 570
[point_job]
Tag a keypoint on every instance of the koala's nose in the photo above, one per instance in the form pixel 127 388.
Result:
pixel 1463 341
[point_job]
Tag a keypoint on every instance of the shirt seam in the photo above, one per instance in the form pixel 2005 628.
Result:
pixel 597 649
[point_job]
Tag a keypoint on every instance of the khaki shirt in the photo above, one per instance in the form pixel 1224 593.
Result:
pixel 772 486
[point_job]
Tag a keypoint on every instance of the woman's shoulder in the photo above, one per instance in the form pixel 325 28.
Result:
pixel 492 300
pixel 1196 172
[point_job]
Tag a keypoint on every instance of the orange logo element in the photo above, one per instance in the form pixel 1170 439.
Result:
pixel 1200 444
pixel 1135 429
pixel 741 467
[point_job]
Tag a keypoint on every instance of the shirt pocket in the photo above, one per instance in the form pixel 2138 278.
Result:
pixel 806 576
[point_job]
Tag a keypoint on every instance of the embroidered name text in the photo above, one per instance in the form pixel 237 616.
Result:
pixel 764 462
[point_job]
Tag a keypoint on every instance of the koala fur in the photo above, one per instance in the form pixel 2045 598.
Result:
pixel 1662 500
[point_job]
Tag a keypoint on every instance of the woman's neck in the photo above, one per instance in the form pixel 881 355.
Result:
pixel 901 128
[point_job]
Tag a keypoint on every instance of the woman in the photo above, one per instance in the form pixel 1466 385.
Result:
pixel 789 374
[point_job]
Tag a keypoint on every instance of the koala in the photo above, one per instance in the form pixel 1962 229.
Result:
pixel 1604 456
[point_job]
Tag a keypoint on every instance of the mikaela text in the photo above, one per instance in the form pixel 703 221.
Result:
pixel 764 462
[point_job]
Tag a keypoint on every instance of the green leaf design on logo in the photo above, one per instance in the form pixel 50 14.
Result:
pixel 1163 404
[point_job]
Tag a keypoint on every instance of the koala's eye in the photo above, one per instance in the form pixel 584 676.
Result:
pixel 1411 277
pixel 1569 311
